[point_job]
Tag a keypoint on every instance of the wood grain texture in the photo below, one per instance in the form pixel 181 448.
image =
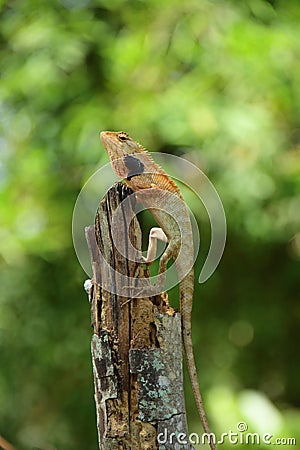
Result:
pixel 136 346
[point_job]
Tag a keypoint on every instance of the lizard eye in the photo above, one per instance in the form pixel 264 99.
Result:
pixel 123 136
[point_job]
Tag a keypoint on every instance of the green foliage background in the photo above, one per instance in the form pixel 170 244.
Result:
pixel 217 82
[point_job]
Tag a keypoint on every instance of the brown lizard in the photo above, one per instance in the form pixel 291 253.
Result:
pixel 132 162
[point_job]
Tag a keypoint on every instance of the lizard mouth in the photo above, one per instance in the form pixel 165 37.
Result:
pixel 115 151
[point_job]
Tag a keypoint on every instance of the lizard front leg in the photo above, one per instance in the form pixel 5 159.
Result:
pixel 154 235
pixel 170 252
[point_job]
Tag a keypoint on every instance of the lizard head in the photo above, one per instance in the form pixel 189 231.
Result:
pixel 131 160
pixel 121 149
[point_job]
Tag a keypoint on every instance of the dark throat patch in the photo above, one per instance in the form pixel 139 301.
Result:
pixel 134 165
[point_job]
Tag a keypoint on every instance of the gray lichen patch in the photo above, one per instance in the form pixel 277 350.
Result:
pixel 159 372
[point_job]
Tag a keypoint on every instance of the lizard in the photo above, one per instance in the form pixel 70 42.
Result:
pixel 131 162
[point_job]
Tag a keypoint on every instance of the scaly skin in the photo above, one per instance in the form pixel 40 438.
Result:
pixel 132 162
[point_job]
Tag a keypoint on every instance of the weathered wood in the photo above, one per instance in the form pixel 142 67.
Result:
pixel 136 346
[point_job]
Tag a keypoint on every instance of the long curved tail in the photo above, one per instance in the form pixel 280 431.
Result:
pixel 186 303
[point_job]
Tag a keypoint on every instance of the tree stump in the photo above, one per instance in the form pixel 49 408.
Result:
pixel 136 346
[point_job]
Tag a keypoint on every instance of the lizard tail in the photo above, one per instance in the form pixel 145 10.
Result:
pixel 186 295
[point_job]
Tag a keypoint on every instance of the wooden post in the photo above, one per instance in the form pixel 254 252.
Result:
pixel 136 346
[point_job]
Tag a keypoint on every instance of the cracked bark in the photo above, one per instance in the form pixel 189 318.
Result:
pixel 136 346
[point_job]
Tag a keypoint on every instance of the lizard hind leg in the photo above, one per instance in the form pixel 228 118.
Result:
pixel 169 253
